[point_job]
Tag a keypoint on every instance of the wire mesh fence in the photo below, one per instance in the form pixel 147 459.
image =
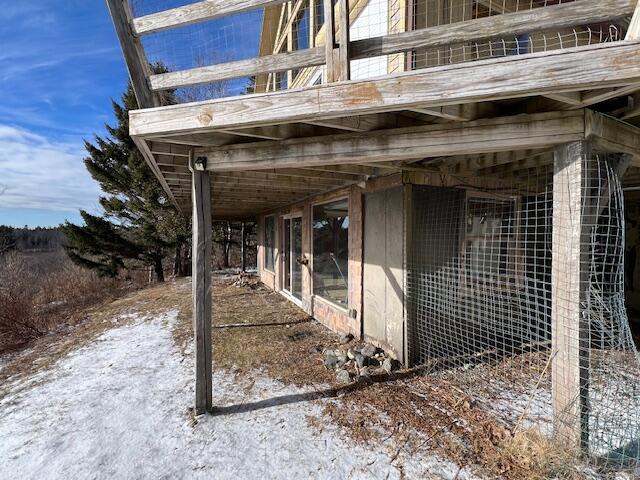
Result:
pixel 542 340
pixel 299 25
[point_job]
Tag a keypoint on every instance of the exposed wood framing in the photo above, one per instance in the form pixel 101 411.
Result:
pixel 196 12
pixel 202 294
pixel 612 135
pixel 569 277
pixel 330 74
pixel 137 64
pixel 536 74
pixel 457 113
pixel 241 68
pixel 338 66
pixel 344 47
pixel 510 24
pixel 505 133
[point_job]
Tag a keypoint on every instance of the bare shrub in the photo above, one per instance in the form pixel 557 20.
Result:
pixel 44 292
pixel 17 292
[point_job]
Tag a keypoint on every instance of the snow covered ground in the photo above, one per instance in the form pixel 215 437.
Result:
pixel 119 408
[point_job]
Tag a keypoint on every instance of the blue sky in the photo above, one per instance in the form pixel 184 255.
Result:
pixel 60 66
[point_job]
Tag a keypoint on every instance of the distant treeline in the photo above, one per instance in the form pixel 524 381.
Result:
pixel 30 239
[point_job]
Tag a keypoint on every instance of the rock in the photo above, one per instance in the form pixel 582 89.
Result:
pixel 346 338
pixel 368 350
pixel 351 353
pixel 361 360
pixel 342 376
pixel 364 375
pixel 341 356
pixel 387 364
pixel 315 349
pixel 330 361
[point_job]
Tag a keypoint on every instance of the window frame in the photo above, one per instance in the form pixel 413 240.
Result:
pixel 343 308
pixel 274 246
pixel 513 276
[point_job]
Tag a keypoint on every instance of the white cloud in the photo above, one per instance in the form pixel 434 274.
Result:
pixel 39 173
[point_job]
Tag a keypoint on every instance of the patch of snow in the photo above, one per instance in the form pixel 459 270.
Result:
pixel 119 408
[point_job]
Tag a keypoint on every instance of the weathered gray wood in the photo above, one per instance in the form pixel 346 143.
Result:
pixel 598 96
pixel 581 12
pixel 329 42
pixel 500 134
pixel 151 161
pixel 196 12
pixel 579 68
pixel 202 294
pixel 633 33
pixel 243 249
pixel 572 217
pixel 241 68
pixel 135 59
pixel 344 29
pixel 612 135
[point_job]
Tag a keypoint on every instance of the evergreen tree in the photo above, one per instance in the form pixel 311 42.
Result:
pixel 139 222
pixel 7 239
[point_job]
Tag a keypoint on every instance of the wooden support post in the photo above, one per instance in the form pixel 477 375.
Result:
pixel 345 60
pixel 202 237
pixel 243 250
pixel 574 215
pixel 329 41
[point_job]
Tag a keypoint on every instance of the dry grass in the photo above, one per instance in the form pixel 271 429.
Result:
pixel 282 350
pixel 413 412
pixel 40 294
pixel 45 351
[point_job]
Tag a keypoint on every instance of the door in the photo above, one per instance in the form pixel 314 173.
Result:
pixel 292 256
pixel 383 309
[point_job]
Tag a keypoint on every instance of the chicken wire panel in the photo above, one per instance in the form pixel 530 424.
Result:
pixel 431 13
pixel 291 26
pixel 479 304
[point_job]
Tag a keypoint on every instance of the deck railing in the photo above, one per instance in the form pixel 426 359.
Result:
pixel 476 30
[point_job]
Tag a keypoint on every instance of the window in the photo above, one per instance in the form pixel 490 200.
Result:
pixel 331 252
pixel 300 34
pixel 489 245
pixel 269 243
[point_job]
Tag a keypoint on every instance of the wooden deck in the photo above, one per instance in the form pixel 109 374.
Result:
pixel 473 118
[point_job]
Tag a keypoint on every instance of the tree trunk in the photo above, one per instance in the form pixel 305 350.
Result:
pixel 227 246
pixel 157 266
pixel 243 251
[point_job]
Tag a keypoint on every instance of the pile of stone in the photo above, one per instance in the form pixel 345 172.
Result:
pixel 246 280
pixel 357 361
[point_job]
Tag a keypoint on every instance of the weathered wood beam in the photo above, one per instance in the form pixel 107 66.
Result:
pixel 202 293
pixel 151 161
pixel 511 24
pixel 456 113
pixel 518 76
pixel 330 74
pixel 242 68
pixel 351 124
pixel 506 133
pixel 571 98
pixel 612 135
pixel 344 46
pixel 135 59
pixel 196 12
pixel 602 95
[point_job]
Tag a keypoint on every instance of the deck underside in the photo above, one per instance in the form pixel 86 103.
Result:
pixel 485 119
